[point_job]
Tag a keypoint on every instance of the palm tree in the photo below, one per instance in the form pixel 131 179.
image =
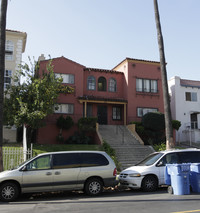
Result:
pixel 167 109
pixel 2 68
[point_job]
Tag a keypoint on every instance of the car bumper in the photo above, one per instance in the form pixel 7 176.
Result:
pixel 131 182
pixel 110 182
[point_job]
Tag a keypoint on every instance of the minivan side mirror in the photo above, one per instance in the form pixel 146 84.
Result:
pixel 24 168
pixel 160 163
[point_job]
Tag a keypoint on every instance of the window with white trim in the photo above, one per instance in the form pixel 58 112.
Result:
pixel 64 108
pixel 67 78
pixel 191 96
pixel 91 83
pixel 142 111
pixel 7 78
pixel 112 85
pixel 9 49
pixel 116 113
pixel 146 85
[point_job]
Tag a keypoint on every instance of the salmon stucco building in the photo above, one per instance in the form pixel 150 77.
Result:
pixel 116 97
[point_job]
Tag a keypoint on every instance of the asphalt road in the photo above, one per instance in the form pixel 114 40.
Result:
pixel 110 201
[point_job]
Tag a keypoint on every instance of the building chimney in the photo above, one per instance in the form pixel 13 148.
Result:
pixel 41 58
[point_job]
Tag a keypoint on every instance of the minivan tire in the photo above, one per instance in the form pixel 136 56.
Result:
pixel 150 183
pixel 93 187
pixel 9 191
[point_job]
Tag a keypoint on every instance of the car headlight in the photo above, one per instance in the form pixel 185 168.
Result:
pixel 135 175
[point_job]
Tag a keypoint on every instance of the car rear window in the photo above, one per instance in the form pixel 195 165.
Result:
pixel 66 160
pixel 189 157
pixel 93 159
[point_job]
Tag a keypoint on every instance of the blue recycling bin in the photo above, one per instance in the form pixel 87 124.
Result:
pixel 179 174
pixel 195 177
pixel 167 174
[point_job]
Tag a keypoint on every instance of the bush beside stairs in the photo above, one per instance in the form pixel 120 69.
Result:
pixel 128 149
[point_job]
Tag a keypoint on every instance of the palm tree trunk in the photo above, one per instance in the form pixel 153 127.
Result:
pixel 2 68
pixel 167 109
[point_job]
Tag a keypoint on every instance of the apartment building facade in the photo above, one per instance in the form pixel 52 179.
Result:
pixel 14 47
pixel 115 97
pixel 185 106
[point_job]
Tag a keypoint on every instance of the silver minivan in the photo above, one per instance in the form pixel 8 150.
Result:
pixel 73 170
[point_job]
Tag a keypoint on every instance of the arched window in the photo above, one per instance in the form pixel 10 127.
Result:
pixel 91 83
pixel 112 85
pixel 101 84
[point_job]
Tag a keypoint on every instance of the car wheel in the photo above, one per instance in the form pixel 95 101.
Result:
pixel 149 183
pixel 93 187
pixel 9 191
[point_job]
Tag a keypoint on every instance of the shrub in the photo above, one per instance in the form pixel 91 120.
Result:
pixel 159 147
pixel 176 124
pixel 154 121
pixel 111 152
pixel 64 123
pixel 79 138
pixel 87 124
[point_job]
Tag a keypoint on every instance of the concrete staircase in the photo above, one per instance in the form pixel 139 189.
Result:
pixel 128 149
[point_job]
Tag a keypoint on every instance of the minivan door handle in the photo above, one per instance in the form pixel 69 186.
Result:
pixel 57 173
pixel 48 173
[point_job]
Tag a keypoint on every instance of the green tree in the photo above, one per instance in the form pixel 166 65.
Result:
pixel 154 126
pixel 167 109
pixel 28 103
pixel 3 13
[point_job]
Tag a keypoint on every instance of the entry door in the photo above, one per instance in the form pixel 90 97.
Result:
pixel 102 114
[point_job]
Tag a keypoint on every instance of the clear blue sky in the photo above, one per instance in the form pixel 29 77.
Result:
pixel 102 33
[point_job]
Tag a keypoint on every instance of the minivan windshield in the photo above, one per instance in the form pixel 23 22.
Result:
pixel 149 160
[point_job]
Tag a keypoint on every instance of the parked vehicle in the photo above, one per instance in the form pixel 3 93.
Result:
pixel 75 170
pixel 149 174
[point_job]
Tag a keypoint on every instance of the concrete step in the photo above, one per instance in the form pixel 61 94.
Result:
pixel 128 149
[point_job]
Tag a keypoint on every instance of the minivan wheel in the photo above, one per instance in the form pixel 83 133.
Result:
pixel 9 191
pixel 150 183
pixel 93 187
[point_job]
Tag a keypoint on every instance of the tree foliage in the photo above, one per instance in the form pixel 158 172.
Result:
pixel 154 121
pixel 31 101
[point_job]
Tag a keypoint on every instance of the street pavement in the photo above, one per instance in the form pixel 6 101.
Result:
pixel 115 201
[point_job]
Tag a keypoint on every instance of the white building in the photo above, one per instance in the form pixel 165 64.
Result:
pixel 15 46
pixel 185 107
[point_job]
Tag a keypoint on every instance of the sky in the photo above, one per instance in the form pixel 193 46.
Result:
pixel 102 33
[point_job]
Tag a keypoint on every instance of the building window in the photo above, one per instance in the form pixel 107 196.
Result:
pixel 65 108
pixel 9 49
pixel 143 111
pixel 7 78
pixel 91 83
pixel 101 84
pixel 112 85
pixel 191 96
pixel 146 85
pixel 67 78
pixel 116 113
